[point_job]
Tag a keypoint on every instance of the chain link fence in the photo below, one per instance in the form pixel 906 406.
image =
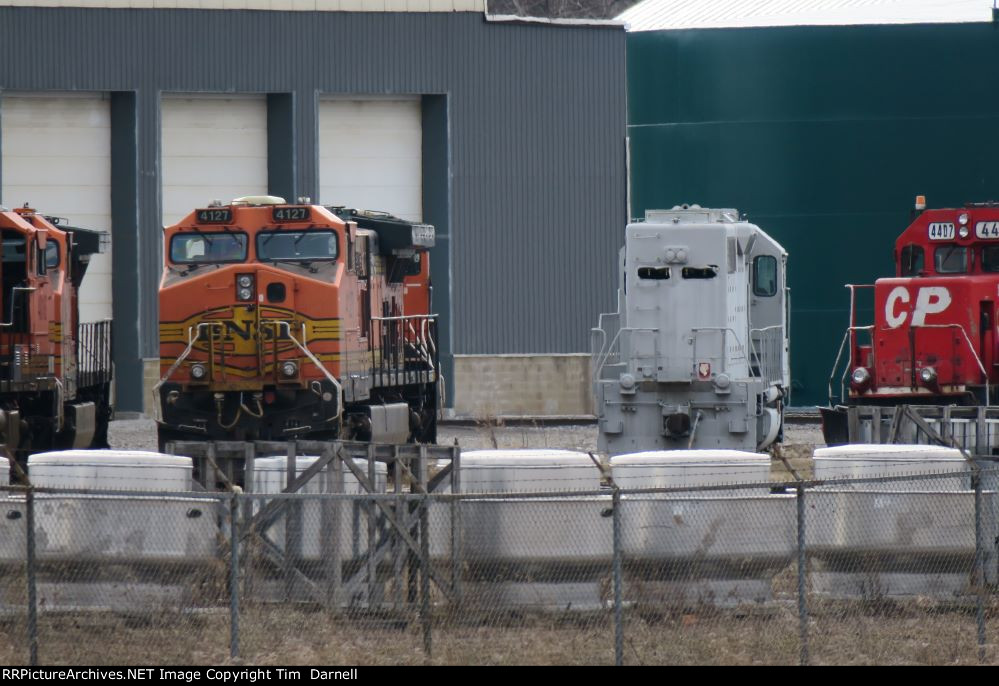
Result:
pixel 895 570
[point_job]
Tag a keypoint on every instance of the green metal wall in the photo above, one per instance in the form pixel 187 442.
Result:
pixel 823 136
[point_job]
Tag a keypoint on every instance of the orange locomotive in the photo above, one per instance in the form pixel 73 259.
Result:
pixel 282 321
pixel 55 373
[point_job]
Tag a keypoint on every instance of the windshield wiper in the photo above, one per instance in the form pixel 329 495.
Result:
pixel 204 235
pixel 304 263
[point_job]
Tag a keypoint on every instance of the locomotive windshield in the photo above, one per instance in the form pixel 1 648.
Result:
pixel 990 258
pixel 208 248
pixel 275 246
pixel 951 259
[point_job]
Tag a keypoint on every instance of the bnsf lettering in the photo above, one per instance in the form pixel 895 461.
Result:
pixel 929 300
pixel 249 330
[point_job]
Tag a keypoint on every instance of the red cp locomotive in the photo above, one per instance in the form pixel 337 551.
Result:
pixel 934 339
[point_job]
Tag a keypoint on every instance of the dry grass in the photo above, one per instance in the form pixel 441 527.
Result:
pixel 851 633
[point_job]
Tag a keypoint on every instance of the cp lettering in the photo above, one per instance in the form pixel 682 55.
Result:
pixel 929 300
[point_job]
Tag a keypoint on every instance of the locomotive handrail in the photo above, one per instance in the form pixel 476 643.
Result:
pixel 981 367
pixel 839 355
pixel 421 343
pixel 404 316
pixel 595 354
pixel 724 351
pixel 423 337
pixel 319 365
pixel 767 361
pixel 599 368
pixel 853 309
pixel 14 290
pixel 191 340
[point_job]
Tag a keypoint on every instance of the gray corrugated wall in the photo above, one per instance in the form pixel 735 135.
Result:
pixel 537 119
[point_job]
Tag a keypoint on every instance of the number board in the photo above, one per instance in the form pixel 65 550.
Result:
pixel 987 230
pixel 292 214
pixel 214 215
pixel 941 231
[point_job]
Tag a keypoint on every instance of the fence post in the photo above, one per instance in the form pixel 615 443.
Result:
pixel 802 604
pixel 292 526
pixel 32 595
pixel 425 574
pixel 979 564
pixel 233 576
pixel 618 625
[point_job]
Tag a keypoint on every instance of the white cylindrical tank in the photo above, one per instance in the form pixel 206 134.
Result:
pixel 270 475
pixel 130 470
pixel 528 529
pixel 512 471
pixel 686 468
pixel 4 471
pixel 137 526
pixel 860 461
pixel 745 524
pixel 895 538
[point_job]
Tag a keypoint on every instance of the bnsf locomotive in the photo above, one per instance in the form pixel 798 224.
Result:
pixel 934 340
pixel 282 321
pixel 55 373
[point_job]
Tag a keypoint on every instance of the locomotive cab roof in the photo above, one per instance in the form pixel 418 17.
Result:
pixel 950 241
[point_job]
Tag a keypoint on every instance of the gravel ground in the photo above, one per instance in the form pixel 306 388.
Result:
pixel 799 439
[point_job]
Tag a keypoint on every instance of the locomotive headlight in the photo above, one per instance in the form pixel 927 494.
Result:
pixel 963 219
pixel 963 232
pixel 244 286
pixel 860 376
pixel 198 372
pixel 289 369
pixel 927 375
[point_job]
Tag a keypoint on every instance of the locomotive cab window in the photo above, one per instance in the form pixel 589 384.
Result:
pixel 990 258
pixel 912 260
pixel 51 254
pixel 295 246
pixel 765 276
pixel 709 272
pixel 950 259
pixel 208 248
pixel 653 273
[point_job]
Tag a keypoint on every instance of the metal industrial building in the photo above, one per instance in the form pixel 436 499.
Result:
pixel 823 134
pixel 507 135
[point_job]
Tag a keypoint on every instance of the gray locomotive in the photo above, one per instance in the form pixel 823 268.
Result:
pixel 697 354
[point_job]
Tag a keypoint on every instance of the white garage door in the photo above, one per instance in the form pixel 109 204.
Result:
pixel 212 148
pixel 57 157
pixel 370 155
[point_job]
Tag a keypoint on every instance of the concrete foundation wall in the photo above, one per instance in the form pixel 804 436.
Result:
pixel 150 377
pixel 522 385
pixel 487 386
